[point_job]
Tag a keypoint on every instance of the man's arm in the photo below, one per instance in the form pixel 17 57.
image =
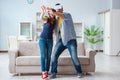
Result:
pixel 61 15
pixel 52 11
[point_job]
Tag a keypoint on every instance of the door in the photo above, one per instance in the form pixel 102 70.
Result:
pixel 107 33
pixel 115 31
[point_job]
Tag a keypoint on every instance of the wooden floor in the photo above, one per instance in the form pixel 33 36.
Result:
pixel 107 68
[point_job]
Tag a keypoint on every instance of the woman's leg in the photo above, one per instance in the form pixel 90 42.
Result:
pixel 43 49
pixel 48 55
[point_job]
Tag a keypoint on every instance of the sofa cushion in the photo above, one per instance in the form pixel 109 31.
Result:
pixel 32 49
pixel 35 60
pixel 67 61
pixel 80 50
pixel 28 61
pixel 29 49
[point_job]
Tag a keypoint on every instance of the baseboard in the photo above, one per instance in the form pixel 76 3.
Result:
pixel 99 50
pixel 3 51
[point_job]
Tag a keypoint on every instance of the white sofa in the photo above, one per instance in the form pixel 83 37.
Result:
pixel 26 59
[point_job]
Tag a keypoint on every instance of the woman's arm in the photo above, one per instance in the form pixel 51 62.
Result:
pixel 42 17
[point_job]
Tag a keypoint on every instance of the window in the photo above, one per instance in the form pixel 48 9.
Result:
pixel 25 30
pixel 79 29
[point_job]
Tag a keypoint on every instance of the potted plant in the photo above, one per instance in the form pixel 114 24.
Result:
pixel 93 35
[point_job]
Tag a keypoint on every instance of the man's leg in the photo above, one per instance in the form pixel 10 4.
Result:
pixel 72 47
pixel 59 48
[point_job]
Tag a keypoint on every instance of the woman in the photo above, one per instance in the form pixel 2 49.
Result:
pixel 46 41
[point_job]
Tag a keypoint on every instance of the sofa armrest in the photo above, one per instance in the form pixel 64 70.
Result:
pixel 90 52
pixel 12 60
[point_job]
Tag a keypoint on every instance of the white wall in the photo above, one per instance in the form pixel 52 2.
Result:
pixel 0 29
pixel 14 11
pixel 115 4
pixel 84 10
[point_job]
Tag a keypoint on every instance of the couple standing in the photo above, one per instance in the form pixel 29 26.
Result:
pixel 61 23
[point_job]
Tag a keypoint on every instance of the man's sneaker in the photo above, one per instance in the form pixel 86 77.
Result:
pixel 79 75
pixel 52 76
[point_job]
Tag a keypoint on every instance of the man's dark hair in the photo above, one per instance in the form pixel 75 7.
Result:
pixel 57 4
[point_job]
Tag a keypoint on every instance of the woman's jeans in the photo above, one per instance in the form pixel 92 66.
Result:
pixel 59 48
pixel 45 52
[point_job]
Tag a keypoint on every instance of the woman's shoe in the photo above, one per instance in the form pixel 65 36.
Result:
pixel 44 75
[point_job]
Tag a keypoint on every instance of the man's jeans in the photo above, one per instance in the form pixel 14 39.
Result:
pixel 45 50
pixel 59 48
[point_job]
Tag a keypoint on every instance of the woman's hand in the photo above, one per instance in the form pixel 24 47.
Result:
pixel 43 13
pixel 43 8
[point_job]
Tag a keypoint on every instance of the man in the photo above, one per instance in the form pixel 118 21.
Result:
pixel 65 39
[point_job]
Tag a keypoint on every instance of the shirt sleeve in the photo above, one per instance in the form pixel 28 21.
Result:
pixel 67 16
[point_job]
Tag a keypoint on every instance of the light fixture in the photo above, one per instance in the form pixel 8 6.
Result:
pixel 30 1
